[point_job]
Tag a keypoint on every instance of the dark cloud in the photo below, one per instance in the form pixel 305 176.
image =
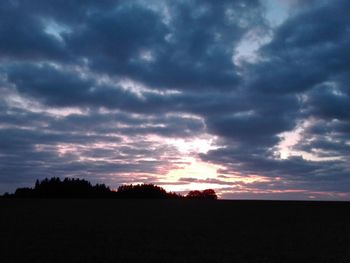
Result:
pixel 23 36
pixel 328 101
pixel 187 45
pixel 305 50
pixel 60 87
pixel 307 60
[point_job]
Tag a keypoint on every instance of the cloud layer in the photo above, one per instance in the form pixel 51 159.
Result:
pixel 107 90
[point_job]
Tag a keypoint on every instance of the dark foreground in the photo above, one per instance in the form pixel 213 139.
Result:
pixel 173 231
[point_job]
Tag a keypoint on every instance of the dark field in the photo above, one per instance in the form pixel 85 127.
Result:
pixel 173 231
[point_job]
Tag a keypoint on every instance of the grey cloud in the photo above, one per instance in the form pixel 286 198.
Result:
pixel 29 154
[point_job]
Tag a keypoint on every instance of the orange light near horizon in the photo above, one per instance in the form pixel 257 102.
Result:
pixel 199 175
pixel 194 168
pixel 186 187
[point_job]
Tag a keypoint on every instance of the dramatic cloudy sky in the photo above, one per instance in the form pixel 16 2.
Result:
pixel 251 98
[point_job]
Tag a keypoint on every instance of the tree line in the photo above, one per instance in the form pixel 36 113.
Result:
pixel 80 188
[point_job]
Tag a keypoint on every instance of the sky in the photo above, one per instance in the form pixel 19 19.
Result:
pixel 250 98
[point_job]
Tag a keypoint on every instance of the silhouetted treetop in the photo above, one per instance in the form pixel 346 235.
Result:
pixel 68 188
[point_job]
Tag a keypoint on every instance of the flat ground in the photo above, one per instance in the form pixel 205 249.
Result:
pixel 173 231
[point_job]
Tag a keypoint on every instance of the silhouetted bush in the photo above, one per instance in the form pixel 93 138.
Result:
pixel 6 195
pixel 144 191
pixel 205 194
pixel 24 192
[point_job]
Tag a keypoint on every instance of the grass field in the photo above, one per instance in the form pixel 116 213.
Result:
pixel 173 231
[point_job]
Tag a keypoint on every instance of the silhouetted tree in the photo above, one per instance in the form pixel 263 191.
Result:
pixel 209 194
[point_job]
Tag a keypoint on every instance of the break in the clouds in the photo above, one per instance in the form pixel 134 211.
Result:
pixel 251 98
